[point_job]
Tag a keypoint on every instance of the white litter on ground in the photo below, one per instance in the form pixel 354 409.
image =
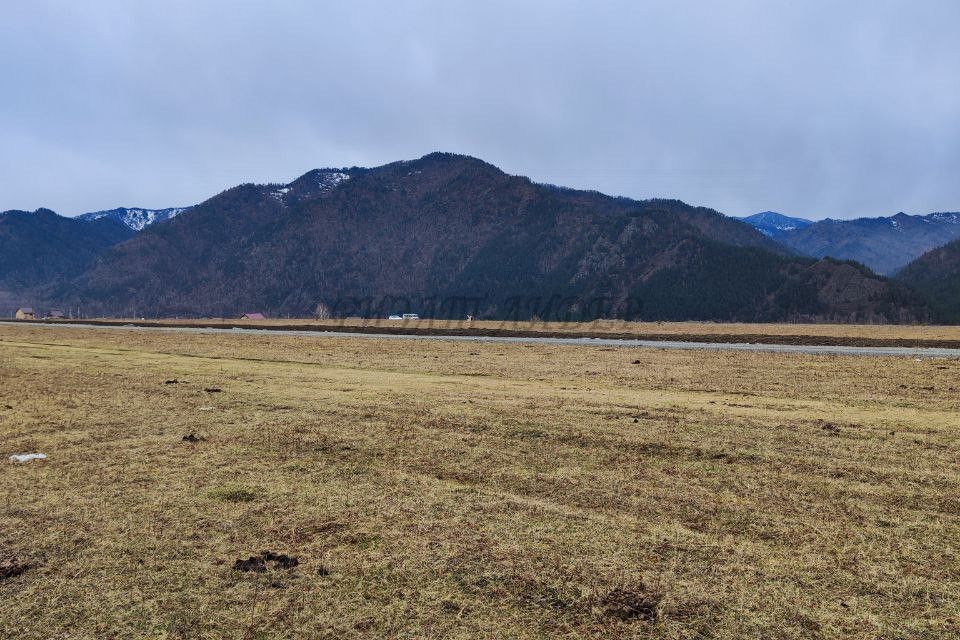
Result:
pixel 27 457
pixel 206 409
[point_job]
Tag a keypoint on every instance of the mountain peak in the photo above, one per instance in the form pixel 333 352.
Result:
pixel 773 224
pixel 453 160
pixel 450 156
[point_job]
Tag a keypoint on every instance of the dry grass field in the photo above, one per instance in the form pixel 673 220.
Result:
pixel 455 490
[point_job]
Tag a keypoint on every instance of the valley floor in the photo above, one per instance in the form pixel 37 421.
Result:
pixel 440 489
pixel 943 336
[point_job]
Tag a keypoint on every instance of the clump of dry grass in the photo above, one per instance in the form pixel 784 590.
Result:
pixel 452 490
pixel 234 493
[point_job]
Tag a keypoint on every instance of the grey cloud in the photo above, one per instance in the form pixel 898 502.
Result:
pixel 817 108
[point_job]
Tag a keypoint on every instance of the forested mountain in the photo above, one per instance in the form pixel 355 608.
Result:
pixel 883 244
pixel 936 275
pixel 42 247
pixel 447 235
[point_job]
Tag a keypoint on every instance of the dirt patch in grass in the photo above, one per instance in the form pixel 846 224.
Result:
pixel 13 567
pixel 261 563
pixel 832 427
pixel 626 604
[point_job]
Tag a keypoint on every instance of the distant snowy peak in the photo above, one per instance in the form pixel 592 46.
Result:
pixel 136 219
pixel 309 185
pixel 772 224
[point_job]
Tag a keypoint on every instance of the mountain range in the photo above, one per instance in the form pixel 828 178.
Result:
pixel 445 235
pixel 886 245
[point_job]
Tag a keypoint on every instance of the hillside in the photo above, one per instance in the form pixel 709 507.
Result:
pixel 42 247
pixel 936 275
pixel 884 244
pixel 448 235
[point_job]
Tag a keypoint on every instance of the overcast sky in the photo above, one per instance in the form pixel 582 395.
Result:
pixel 818 109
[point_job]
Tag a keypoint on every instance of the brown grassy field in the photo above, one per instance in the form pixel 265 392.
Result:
pixel 439 489
pixel 604 327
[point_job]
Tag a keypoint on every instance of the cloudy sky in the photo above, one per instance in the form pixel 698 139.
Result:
pixel 819 109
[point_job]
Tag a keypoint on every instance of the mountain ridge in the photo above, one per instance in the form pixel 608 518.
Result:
pixel 453 235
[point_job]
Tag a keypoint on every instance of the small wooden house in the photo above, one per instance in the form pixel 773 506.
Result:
pixel 26 313
pixel 253 316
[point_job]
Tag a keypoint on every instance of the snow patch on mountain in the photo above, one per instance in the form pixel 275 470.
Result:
pixel 135 218
pixel 280 194
pixel 328 180
pixel 311 184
